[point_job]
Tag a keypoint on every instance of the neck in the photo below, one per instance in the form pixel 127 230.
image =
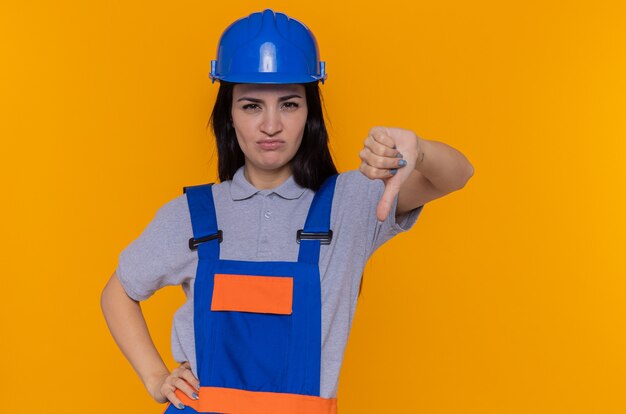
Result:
pixel 264 179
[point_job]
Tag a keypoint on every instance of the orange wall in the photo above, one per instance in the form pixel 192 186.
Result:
pixel 508 296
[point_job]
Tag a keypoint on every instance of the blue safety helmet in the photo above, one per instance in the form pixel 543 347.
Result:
pixel 267 47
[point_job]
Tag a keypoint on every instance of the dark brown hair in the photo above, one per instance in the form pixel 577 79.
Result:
pixel 311 164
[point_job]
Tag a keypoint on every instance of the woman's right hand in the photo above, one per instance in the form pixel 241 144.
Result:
pixel 181 378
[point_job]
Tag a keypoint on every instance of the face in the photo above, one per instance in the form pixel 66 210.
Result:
pixel 269 122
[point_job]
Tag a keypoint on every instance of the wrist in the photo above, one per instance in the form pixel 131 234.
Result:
pixel 419 160
pixel 153 384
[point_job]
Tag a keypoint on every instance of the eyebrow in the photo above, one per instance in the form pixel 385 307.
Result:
pixel 255 100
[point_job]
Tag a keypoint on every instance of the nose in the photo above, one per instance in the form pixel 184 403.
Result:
pixel 272 123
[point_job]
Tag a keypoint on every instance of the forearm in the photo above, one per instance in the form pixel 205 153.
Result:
pixel 445 167
pixel 128 327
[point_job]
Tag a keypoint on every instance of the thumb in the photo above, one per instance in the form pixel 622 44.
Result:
pixel 392 188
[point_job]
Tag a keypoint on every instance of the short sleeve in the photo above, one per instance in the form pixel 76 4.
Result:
pixel 160 256
pixel 357 200
pixel 392 225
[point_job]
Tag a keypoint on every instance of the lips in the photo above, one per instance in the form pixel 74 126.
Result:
pixel 270 144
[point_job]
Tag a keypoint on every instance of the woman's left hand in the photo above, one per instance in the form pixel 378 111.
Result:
pixel 389 154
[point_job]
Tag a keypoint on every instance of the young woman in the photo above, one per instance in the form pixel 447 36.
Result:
pixel 271 258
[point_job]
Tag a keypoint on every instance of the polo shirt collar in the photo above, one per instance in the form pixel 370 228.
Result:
pixel 240 188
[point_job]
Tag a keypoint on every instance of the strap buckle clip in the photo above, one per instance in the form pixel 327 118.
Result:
pixel 323 237
pixel 193 242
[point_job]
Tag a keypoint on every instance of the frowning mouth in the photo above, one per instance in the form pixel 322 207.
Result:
pixel 270 144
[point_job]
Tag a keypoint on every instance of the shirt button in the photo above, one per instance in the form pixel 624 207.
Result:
pixel 267 215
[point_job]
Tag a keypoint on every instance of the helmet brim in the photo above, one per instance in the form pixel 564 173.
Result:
pixel 268 78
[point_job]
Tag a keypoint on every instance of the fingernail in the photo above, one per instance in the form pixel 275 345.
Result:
pixel 393 171
pixel 401 163
pixel 399 155
pixel 198 386
pixel 194 395
pixel 181 406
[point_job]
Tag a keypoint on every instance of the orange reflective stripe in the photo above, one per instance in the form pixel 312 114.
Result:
pixel 232 400
pixel 247 293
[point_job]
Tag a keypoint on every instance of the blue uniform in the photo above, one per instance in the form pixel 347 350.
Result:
pixel 258 324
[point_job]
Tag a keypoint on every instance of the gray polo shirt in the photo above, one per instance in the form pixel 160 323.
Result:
pixel 261 225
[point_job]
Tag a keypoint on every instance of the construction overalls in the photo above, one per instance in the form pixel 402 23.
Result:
pixel 257 325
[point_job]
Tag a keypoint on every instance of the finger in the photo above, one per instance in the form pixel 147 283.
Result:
pixel 171 396
pixel 392 189
pixel 381 148
pixel 373 172
pixel 380 162
pixel 185 387
pixel 188 376
pixel 184 371
pixel 383 136
pixel 386 201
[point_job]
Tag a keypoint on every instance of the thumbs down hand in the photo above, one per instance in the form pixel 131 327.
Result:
pixel 389 154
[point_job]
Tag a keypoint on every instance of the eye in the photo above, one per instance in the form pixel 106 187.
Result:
pixel 251 107
pixel 291 105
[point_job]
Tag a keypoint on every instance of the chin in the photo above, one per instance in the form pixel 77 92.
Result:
pixel 273 167
pixel 270 165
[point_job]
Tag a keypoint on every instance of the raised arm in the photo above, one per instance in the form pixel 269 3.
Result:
pixel 415 169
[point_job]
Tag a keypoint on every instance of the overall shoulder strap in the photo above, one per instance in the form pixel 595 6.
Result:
pixel 206 235
pixel 317 226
